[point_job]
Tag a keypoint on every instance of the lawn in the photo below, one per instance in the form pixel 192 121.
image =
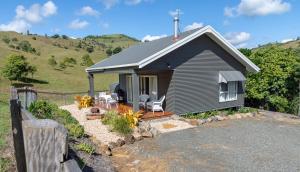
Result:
pixel 5 126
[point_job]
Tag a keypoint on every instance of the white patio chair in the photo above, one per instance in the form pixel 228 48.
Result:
pixel 143 100
pixel 156 105
pixel 101 95
pixel 113 100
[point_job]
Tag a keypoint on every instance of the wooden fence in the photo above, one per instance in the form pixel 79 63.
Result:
pixel 39 145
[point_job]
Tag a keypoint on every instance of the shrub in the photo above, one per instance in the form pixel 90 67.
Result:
pixel 109 117
pixel 6 39
pixel 85 148
pixel 84 101
pixel 52 62
pixel 90 49
pixel 117 50
pixel 25 46
pixel 109 52
pixel 69 61
pixel 132 117
pixel 75 130
pixel 121 125
pixel 55 36
pixel 42 109
pixel 203 115
pixel 34 38
pixel 14 39
pixel 62 65
pixel 65 37
pixel 246 110
pixel 64 117
pixel 86 60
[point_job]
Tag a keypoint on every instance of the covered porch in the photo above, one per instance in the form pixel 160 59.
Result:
pixel 134 84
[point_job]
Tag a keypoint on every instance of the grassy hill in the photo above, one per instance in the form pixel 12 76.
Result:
pixel 72 78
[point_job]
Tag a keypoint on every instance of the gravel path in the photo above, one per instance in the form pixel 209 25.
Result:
pixel 250 144
pixel 94 128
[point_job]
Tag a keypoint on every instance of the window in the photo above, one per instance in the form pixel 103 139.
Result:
pixel 228 91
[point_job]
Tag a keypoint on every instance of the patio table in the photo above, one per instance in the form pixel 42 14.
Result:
pixel 105 97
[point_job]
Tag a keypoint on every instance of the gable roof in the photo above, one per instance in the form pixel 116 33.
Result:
pixel 143 54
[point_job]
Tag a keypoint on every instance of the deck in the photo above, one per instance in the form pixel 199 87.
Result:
pixel 147 115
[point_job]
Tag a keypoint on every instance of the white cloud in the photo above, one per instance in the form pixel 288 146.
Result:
pixel 152 38
pixel 78 24
pixel 109 3
pixel 192 26
pixel 104 25
pixel 257 8
pixel 24 18
pixel 238 39
pixel 287 40
pixel 133 2
pixel 87 10
pixel 49 8
pixel 15 25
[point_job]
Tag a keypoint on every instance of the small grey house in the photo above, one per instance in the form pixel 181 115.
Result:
pixel 197 70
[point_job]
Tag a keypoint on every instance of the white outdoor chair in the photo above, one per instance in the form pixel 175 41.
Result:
pixel 114 99
pixel 143 100
pixel 156 105
pixel 100 98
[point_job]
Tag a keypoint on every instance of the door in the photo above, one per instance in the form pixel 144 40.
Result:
pixel 129 88
pixel 147 85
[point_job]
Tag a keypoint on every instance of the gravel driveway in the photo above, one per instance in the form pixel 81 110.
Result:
pixel 250 144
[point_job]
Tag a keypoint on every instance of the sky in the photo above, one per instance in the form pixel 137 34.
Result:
pixel 244 23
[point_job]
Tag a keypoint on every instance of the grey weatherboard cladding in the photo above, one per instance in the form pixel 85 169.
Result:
pixel 193 85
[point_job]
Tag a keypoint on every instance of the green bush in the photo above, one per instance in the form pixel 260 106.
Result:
pixel 86 60
pixel 85 148
pixel 247 110
pixel 75 130
pixel 52 62
pixel 46 110
pixel 42 109
pixel 6 40
pixel 121 125
pixel 203 115
pixel 118 123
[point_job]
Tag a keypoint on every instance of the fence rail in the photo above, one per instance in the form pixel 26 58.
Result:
pixel 39 145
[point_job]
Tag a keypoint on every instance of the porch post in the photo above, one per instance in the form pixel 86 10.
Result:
pixel 135 91
pixel 91 84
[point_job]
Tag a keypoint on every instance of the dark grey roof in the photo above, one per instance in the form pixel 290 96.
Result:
pixel 137 53
pixel 232 76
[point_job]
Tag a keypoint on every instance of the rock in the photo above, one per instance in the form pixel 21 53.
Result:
pixel 95 110
pixel 238 116
pixel 154 132
pixel 137 136
pixel 145 125
pixel 147 134
pixel 214 118
pixel 176 117
pixel 208 120
pixel 231 116
pixel 129 139
pixel 219 118
pixel 193 122
pixel 201 121
pixel 120 142
pixel 112 145
pixel 105 149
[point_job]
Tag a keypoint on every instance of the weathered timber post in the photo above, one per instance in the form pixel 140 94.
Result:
pixel 45 145
pixel 135 91
pixel 91 84
pixel 16 121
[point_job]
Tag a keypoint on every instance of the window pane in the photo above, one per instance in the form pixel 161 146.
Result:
pixel 232 89
pixel 224 87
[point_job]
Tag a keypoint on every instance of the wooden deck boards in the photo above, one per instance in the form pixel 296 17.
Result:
pixel 147 115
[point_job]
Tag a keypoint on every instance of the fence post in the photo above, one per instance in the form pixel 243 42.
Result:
pixel 46 145
pixel 16 121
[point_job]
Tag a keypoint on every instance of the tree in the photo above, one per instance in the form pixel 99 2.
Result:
pixel 62 66
pixel 6 39
pixel 86 60
pixel 274 86
pixel 55 36
pixel 69 61
pixel 32 70
pixel 109 52
pixel 117 50
pixel 65 37
pixel 52 62
pixel 247 52
pixel 25 46
pixel 90 49
pixel 297 77
pixel 17 68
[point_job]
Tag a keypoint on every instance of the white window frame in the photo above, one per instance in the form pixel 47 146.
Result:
pixel 229 92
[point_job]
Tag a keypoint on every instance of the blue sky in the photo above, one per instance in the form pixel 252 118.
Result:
pixel 245 23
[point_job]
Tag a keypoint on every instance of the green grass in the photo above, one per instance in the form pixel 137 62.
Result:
pixel 5 126
pixel 73 78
